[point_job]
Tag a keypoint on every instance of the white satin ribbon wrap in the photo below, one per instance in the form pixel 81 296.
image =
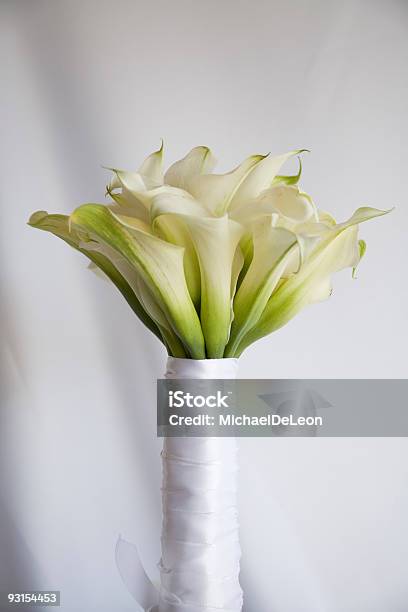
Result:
pixel 200 541
pixel 199 567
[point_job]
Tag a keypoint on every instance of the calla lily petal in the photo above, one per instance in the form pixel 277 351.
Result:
pixel 168 211
pixel 273 248
pixel 149 174
pixel 159 263
pixel 325 217
pixel 135 188
pixel 337 250
pixel 365 213
pixel 170 200
pixel 289 179
pixel 216 191
pixel 131 181
pixel 215 241
pixel 131 222
pixel 152 167
pixel 142 292
pixel 237 267
pixel 199 160
pixel 286 201
pixel 173 229
pixel 362 247
pixel 59 226
pixel 127 204
pixel 260 178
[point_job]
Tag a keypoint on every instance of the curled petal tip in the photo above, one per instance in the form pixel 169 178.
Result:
pixel 36 217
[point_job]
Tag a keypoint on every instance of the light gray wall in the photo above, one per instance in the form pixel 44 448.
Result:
pixel 96 82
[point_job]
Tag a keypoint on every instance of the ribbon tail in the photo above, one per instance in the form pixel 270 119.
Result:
pixel 134 576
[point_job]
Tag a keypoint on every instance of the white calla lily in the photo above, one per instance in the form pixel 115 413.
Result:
pixel 141 291
pixel 216 242
pixel 159 263
pixel 260 178
pixel 337 249
pixel 173 229
pixel 59 225
pixel 212 262
pixel 273 248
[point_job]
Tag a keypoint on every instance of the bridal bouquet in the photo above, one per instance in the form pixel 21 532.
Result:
pixel 209 263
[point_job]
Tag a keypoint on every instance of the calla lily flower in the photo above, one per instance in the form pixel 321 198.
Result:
pixel 212 262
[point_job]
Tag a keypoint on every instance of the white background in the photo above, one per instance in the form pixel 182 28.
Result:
pixel 87 83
